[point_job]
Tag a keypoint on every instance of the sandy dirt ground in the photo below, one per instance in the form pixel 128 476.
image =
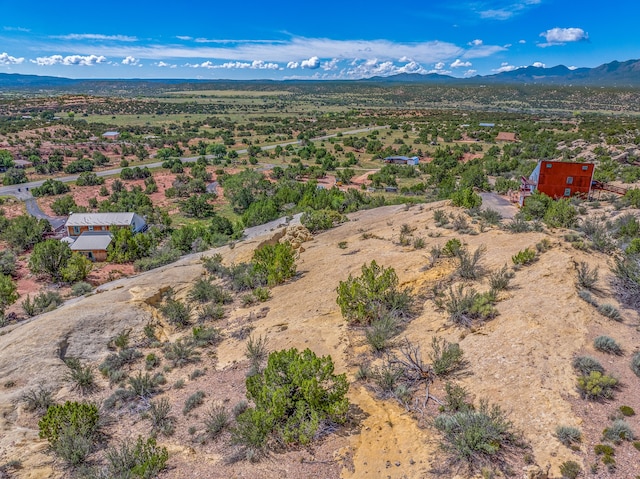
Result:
pixel 521 360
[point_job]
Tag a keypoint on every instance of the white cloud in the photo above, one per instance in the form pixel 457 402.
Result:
pixel 130 61
pixel 458 63
pixel 184 37
pixel 312 63
pixel 475 43
pixel 285 51
pixel 505 67
pixel 539 65
pixel 330 65
pixel 439 65
pixel 374 67
pixel 162 64
pixel 470 73
pixel 522 42
pixel 97 36
pixel 88 60
pixel 293 65
pixel 16 29
pixel 508 11
pixel 254 65
pixel 6 59
pixel 572 67
pixel 561 36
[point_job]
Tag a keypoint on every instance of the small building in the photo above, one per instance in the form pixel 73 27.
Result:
pixel 402 160
pixel 78 223
pixel 506 136
pixel 22 164
pixel 93 245
pixel 111 135
pixel 558 179
pixel 487 125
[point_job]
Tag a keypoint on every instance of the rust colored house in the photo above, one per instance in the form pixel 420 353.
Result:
pixel 79 223
pixel 558 179
pixel 506 136
pixel 93 245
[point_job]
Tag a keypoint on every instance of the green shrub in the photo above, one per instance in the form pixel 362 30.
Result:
pixel 37 399
pixel 524 257
pixel 205 336
pixel 380 332
pixel 627 411
pixel 500 279
pixel 80 419
pixel 635 364
pixel 478 438
pixel 626 280
pixel 193 401
pixel 451 247
pixel 216 420
pixel 294 396
pixel 455 399
pixel 570 469
pixel 490 216
pixel 81 288
pixel 143 385
pixel 618 431
pixel 256 352
pixel 597 385
pixel 607 345
pixel 158 257
pixel 42 303
pixel 466 198
pixel 561 214
pixel 469 264
pixel 144 459
pixel 372 295
pixel 610 311
pixel 440 217
pixel 181 353
pixel 176 312
pixel 585 364
pixel 446 357
pixel 203 291
pixel 319 220
pixel 81 376
pixel 210 312
pixel 151 361
pixel 587 277
pixel 568 435
pixel 276 263
pixel 160 416
pixel 465 304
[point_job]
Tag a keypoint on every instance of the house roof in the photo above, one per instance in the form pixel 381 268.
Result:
pixel 110 133
pixel 506 136
pixel 92 241
pixel 101 219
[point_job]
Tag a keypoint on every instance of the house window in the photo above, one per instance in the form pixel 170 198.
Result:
pixel 569 180
pixel 76 230
pixel 90 228
pixel 585 168
pixel 549 165
pixel 567 192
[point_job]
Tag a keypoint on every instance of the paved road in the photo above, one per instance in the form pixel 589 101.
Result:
pixel 498 203
pixel 20 191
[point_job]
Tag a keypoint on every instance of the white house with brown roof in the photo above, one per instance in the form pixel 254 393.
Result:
pixel 78 223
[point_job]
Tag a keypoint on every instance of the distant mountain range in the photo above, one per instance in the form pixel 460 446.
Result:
pixel 614 74
pixel 619 74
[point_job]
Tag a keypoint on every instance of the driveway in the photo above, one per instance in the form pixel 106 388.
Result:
pixel 500 204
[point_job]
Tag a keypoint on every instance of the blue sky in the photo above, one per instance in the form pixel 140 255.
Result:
pixel 312 40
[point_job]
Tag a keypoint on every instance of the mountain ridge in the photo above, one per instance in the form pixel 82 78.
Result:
pixel 612 74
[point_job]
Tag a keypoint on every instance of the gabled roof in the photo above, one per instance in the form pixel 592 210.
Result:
pixel 92 241
pixel 103 219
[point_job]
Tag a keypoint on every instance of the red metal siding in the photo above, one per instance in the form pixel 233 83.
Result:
pixel 558 178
